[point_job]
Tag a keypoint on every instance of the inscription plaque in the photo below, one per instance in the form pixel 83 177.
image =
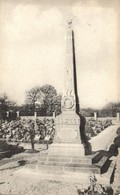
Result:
pixel 67 121
pixel 68 134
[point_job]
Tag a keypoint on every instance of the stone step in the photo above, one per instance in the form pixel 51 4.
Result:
pixel 103 164
pixel 60 163
pixel 50 168
pixel 63 159
pixel 82 178
pixel 63 156
pixel 69 174
pixel 83 169
pixel 96 157
pixel 52 163
pixel 82 161
pixel 46 168
pixel 102 161
pixel 107 177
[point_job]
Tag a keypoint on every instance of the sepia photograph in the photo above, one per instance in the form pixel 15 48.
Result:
pixel 59 97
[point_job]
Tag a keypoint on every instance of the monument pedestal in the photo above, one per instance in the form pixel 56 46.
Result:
pixel 64 149
pixel 67 140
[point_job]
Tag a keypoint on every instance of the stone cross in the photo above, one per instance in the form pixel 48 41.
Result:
pixel 69 23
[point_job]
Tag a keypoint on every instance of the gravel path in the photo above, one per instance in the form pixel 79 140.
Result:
pixel 11 184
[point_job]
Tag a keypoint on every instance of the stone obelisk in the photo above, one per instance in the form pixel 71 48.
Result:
pixel 67 140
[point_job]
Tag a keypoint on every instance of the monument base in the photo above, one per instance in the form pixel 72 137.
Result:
pixel 66 149
pixel 67 128
pixel 71 169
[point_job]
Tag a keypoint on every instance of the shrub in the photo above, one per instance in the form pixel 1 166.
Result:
pixel 94 188
pixel 4 146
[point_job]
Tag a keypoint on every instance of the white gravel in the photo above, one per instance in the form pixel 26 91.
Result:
pixel 12 184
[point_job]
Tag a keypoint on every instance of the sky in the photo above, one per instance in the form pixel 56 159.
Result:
pixel 32 49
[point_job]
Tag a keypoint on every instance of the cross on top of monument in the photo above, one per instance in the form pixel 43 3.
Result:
pixel 69 22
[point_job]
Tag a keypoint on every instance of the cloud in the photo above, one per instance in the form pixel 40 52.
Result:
pixel 96 26
pixel 30 21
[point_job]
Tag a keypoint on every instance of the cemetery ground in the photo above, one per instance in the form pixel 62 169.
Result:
pixel 13 184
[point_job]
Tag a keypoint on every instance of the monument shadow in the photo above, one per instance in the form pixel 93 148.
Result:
pixel 87 145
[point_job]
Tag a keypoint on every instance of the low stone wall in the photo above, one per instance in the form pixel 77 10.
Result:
pixel 38 117
pixel 104 140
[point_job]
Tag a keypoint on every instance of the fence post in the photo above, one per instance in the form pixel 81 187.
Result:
pixel 53 114
pixel 118 116
pixel 7 114
pixel 35 115
pixel 95 116
pixel 18 114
